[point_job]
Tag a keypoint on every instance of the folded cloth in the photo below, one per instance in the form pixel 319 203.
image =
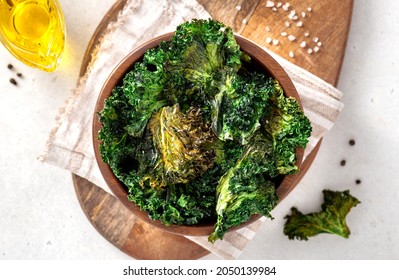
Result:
pixel 70 142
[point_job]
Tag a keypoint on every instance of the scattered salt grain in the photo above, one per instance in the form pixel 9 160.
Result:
pixel 244 21
pixel 238 8
pixel 269 4
pixel 286 6
pixel 292 14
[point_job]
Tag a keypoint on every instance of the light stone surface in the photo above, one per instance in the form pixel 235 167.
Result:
pixel 41 217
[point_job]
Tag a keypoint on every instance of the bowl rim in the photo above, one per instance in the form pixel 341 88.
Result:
pixel 261 57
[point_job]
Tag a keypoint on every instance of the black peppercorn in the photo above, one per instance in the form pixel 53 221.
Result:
pixel 13 81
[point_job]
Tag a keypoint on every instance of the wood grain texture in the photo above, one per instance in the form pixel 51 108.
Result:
pixel 234 13
pixel 329 21
pixel 104 212
pixel 128 233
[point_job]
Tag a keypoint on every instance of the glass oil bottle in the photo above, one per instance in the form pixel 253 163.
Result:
pixel 33 31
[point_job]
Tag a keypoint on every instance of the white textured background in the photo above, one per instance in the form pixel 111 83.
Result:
pixel 40 217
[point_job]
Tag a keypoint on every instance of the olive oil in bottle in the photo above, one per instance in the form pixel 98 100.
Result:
pixel 33 31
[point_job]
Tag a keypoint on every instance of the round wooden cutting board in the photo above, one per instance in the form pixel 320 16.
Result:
pixel 268 26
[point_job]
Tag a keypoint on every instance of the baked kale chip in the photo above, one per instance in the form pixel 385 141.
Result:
pixel 331 218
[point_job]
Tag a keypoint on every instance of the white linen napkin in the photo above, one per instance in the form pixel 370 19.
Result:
pixel 70 142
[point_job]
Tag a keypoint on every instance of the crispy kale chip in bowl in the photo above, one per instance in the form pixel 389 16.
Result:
pixel 196 130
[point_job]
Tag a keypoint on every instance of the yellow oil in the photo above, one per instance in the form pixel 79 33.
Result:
pixel 33 31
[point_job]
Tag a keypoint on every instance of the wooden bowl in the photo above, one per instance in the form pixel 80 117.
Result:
pixel 262 61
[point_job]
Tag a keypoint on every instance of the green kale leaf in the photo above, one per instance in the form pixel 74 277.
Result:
pixel 245 189
pixel 287 125
pixel 144 89
pixel 331 219
pixel 202 54
pixel 116 145
pixel 184 144
pixel 238 106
